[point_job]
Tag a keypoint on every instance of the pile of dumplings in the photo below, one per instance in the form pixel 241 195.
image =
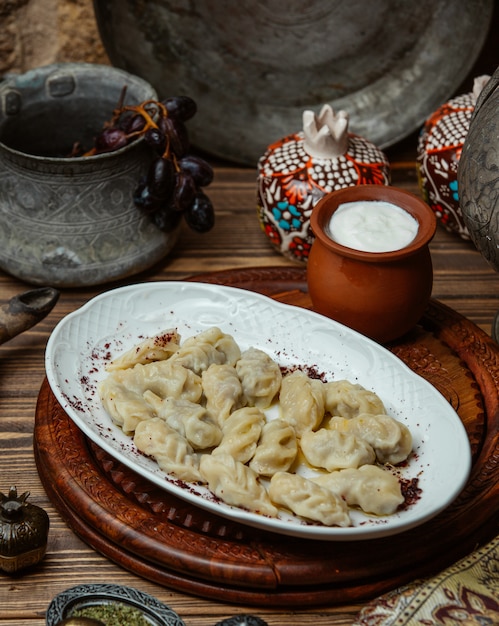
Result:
pixel 198 408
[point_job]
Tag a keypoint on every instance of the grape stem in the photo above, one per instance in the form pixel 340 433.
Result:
pixel 149 110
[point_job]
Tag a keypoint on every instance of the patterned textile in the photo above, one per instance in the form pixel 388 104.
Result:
pixel 465 594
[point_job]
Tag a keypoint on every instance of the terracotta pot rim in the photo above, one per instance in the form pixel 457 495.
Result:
pixel 416 206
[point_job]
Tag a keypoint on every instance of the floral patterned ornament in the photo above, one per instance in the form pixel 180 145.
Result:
pixel 466 593
pixel 296 171
pixel 438 152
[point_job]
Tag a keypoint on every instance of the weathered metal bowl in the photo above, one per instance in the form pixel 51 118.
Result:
pixel 253 67
pixel 70 222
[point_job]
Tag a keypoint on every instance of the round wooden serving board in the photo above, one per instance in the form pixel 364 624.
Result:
pixel 159 537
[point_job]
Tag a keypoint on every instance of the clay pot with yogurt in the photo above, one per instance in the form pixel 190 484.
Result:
pixel 370 266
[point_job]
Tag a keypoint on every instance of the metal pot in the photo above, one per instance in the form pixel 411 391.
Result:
pixel 70 221
pixel 478 174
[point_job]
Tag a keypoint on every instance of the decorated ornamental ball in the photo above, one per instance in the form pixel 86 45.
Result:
pixel 298 170
pixel 439 150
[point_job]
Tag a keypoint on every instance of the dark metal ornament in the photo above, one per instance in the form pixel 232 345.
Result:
pixel 23 532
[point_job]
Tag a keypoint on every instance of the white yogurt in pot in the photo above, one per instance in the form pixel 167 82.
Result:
pixel 372 226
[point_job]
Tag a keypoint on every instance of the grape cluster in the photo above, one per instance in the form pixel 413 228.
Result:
pixel 173 185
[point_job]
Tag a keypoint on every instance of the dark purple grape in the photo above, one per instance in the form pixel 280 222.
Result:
pixel 200 216
pixel 110 139
pixel 156 190
pixel 144 200
pixel 176 133
pixel 198 168
pixel 156 139
pixel 166 218
pixel 185 191
pixel 180 107
pixel 132 123
pixel 161 179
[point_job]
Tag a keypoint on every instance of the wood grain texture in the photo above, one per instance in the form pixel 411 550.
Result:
pixel 462 280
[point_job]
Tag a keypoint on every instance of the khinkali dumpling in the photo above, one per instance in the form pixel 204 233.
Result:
pixel 223 391
pixel 240 433
pixel 235 483
pixel 260 377
pixel 307 499
pixel 332 449
pixel 197 353
pixel 156 348
pixel 226 344
pixel 168 448
pixel 390 439
pixel 164 378
pixel 189 419
pixel 341 397
pixel 276 449
pixel 302 401
pixel 369 487
pixel 126 407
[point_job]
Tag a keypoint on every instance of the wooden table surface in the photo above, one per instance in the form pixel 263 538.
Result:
pixel 462 279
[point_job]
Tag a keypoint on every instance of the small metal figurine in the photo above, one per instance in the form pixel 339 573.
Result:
pixel 23 532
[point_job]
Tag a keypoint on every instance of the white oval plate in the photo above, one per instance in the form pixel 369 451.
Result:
pixel 84 341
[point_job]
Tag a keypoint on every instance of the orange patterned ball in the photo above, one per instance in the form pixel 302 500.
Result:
pixel 438 153
pixel 291 181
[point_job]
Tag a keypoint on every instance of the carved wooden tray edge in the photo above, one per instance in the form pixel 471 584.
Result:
pixel 369 585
